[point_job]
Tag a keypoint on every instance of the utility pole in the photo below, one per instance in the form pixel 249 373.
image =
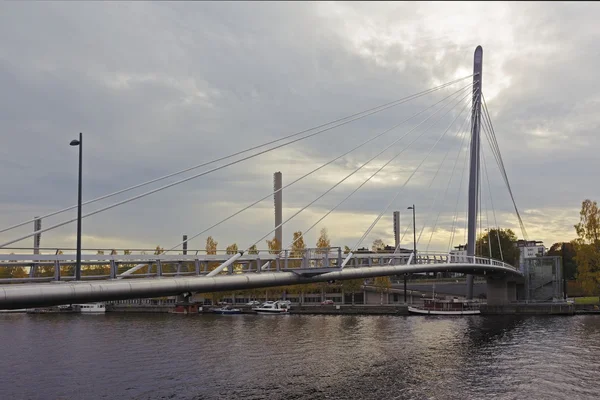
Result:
pixel 474 164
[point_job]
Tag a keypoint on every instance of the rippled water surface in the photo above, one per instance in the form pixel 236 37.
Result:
pixel 138 356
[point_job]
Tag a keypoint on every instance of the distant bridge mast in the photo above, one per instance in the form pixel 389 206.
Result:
pixel 474 165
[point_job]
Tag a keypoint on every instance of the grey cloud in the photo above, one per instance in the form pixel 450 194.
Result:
pixel 157 87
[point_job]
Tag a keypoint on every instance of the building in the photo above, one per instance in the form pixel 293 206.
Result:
pixel 529 249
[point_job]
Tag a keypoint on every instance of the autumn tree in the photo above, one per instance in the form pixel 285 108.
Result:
pixel 566 251
pixel 323 241
pixel 298 249
pixel 587 246
pixel 382 284
pixel 378 245
pixel 274 246
pixel 506 250
pixel 233 249
pixel 253 249
pixel 12 271
pixel 211 248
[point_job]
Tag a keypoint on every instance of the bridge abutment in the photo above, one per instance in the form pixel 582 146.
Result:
pixel 501 290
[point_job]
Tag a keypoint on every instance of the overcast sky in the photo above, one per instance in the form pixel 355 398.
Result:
pixel 159 87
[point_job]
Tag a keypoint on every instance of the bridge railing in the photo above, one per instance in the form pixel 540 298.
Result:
pixel 102 266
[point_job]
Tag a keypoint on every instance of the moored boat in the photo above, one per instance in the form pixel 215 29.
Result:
pixel 273 308
pixel 226 310
pixel 446 307
pixel 90 308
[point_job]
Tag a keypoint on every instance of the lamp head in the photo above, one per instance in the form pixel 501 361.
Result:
pixel 74 142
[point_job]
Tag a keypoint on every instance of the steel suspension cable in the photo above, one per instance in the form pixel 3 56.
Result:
pixel 356 170
pixel 501 166
pixel 460 148
pixel 341 122
pixel 374 174
pixel 324 165
pixel 462 177
pixel 394 198
pixel 492 203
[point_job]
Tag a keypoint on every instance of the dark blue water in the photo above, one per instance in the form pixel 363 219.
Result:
pixel 128 356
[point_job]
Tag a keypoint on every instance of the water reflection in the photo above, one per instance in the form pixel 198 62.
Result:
pixel 301 357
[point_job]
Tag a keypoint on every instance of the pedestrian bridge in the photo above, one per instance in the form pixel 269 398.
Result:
pixel 197 273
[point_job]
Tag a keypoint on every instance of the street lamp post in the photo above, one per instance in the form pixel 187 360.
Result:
pixel 79 143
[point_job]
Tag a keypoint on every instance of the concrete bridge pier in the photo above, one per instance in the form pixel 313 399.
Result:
pixel 501 290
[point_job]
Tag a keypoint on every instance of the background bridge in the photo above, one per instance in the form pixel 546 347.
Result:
pixel 294 264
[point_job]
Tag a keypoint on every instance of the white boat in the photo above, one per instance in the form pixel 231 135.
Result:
pixel 273 308
pixel 90 308
pixel 226 310
pixel 446 307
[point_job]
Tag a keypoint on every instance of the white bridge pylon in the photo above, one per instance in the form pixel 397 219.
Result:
pixel 316 268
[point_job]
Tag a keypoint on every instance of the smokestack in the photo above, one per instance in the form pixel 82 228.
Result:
pixel 278 200
pixel 37 238
pixel 397 228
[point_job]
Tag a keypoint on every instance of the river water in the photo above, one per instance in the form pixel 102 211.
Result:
pixel 164 356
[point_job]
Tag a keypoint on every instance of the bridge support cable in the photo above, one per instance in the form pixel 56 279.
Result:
pixel 221 267
pixel 364 164
pixel 455 217
pixel 380 169
pixel 174 184
pixel 496 151
pixel 487 219
pixel 460 134
pixel 492 203
pixel 324 165
pixel 465 148
pixel 432 206
pixel 394 198
pixel 339 122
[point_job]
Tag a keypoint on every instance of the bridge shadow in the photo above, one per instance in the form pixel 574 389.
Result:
pixel 489 330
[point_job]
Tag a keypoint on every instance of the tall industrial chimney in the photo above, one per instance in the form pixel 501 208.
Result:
pixel 278 200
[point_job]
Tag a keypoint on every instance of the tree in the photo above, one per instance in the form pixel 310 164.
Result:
pixel 352 286
pixel 298 249
pixel 323 244
pixel 566 251
pixel 347 250
pixel 211 248
pixel 507 250
pixel 211 245
pixel 587 246
pixel 252 249
pixel 13 271
pixel 323 241
pixel 274 246
pixel 232 249
pixel 158 250
pixel 382 284
pixel 378 245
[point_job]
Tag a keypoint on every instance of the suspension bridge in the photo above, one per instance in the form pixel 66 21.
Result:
pixel 188 273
